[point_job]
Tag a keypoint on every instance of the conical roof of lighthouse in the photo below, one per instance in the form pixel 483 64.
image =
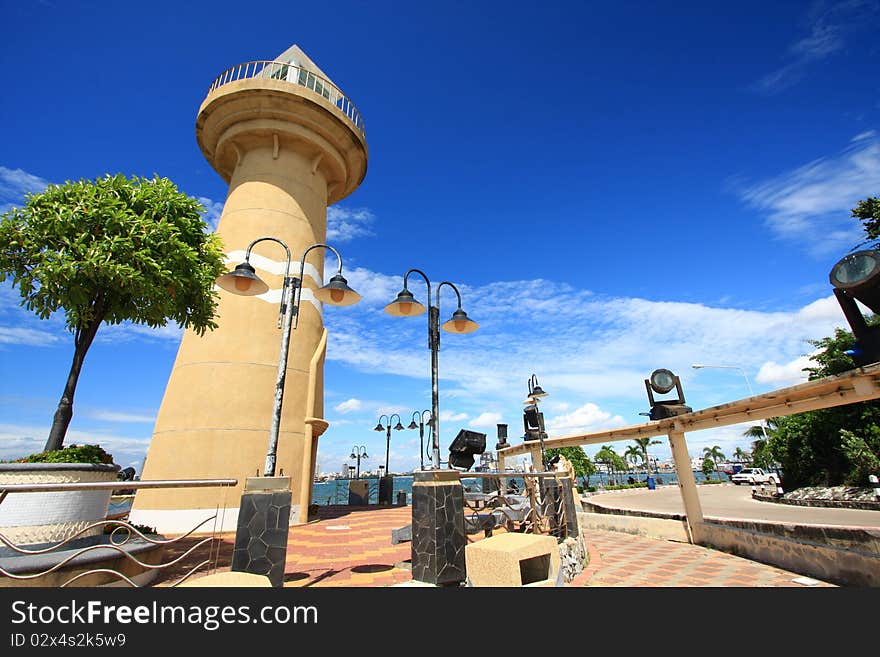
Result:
pixel 294 55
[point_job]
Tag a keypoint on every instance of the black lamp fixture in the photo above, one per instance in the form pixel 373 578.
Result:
pixel 421 427
pixel 359 452
pixel 380 427
pixel 502 437
pixel 856 277
pixel 405 305
pixel 533 419
pixel 535 389
pixel 243 281
pixel 662 381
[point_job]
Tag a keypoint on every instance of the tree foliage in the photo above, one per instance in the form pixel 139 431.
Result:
pixel 583 466
pixel 830 446
pixel 610 458
pixel 110 250
pixel 708 467
pixel 868 212
pixel 839 445
pixel 643 445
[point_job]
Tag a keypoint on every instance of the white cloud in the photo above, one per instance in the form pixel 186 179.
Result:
pixel 785 374
pixel 213 209
pixel 115 416
pixel 486 419
pixel 346 224
pixel 14 184
pixel 26 336
pixel 827 26
pixel 586 419
pixel 17 441
pixel 811 204
pixel 452 416
pixel 349 406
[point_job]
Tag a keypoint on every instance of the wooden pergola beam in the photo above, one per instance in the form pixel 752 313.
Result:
pixel 860 384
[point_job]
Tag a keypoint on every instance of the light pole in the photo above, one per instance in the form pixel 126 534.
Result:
pixel 257 529
pixel 421 427
pixel 405 305
pixel 244 281
pixel 379 427
pixel 748 385
pixel 359 452
pixel 533 419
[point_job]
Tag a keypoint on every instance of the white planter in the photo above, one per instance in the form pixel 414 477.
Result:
pixel 30 518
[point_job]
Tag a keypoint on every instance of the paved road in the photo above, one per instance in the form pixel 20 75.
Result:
pixel 734 502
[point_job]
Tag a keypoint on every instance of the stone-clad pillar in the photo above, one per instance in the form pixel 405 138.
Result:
pixel 263 521
pixel 438 534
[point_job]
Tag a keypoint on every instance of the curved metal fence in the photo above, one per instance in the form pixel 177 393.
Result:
pixel 287 72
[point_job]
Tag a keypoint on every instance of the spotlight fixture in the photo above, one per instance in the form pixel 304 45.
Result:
pixel 502 437
pixel 856 277
pixel 466 444
pixel 663 381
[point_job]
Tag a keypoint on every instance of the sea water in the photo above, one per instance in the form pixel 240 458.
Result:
pixel 336 491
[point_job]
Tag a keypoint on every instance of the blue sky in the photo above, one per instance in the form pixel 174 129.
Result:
pixel 614 187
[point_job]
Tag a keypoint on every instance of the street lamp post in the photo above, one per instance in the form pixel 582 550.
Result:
pixel 534 420
pixel 748 385
pixel 359 452
pixel 421 427
pixel 405 305
pixel 386 482
pixel 252 539
pixel 379 427
pixel 245 282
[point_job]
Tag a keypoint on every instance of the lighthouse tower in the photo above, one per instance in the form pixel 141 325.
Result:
pixel 289 143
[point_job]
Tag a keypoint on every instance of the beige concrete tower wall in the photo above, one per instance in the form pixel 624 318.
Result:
pixel 214 418
pixel 286 152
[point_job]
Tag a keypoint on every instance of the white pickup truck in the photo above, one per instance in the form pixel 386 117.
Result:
pixel 754 476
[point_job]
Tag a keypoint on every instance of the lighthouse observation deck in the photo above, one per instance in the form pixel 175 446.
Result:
pixel 291 73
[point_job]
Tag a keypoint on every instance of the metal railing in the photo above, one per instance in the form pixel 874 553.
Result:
pixel 120 536
pixel 538 509
pixel 287 72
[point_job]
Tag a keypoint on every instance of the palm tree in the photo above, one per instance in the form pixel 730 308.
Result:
pixel 715 455
pixel 633 454
pixel 740 455
pixel 760 431
pixel 644 444
pixel 610 458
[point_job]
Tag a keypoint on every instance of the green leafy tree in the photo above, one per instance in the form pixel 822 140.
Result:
pixel 708 467
pixel 644 444
pixel 715 455
pixel 583 466
pixel 633 454
pixel 811 447
pixel 611 459
pixel 868 212
pixel 110 251
pixel 863 453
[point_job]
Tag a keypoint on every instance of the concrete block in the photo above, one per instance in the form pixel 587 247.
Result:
pixel 513 559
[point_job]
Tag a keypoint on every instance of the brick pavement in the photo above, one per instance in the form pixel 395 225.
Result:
pixel 351 547
pixel 618 559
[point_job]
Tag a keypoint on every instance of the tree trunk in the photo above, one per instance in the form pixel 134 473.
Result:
pixel 64 412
